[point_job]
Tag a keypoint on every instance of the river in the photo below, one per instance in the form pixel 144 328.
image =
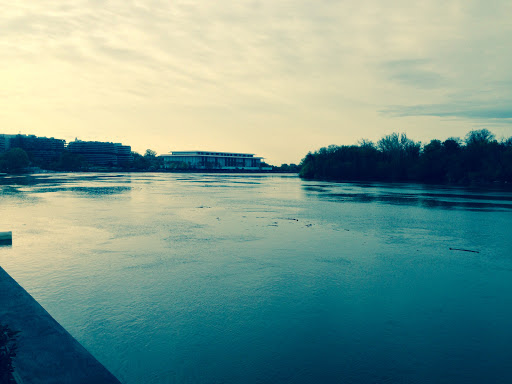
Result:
pixel 217 278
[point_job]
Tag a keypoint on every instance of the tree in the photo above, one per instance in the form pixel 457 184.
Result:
pixel 365 143
pixel 14 160
pixel 389 145
pixel 140 162
pixel 478 137
pixel 289 168
pixel 398 158
pixel 481 156
pixel 150 154
pixel 70 161
pixel 433 161
pixel 451 145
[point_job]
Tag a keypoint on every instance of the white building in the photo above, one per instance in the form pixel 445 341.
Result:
pixel 213 160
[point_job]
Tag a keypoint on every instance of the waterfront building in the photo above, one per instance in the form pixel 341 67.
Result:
pixel 39 148
pixel 5 142
pixel 213 160
pixel 123 153
pixel 102 153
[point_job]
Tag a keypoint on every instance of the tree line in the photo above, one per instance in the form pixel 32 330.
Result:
pixel 478 158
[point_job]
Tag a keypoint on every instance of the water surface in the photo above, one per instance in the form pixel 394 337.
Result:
pixel 195 278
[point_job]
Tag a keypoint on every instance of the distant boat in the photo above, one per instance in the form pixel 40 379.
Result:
pixel 3 174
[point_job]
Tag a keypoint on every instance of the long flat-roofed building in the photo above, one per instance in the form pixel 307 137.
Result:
pixel 102 153
pixel 213 160
pixel 5 142
pixel 38 148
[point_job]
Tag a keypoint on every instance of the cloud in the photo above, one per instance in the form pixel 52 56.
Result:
pixel 464 110
pixel 213 66
pixel 413 73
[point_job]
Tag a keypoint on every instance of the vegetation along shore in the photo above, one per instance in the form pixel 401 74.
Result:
pixel 478 158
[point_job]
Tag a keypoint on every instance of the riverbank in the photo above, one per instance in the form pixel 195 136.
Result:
pixel 46 353
pixel 37 171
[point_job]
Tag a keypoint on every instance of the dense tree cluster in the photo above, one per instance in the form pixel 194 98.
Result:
pixel 287 168
pixel 149 162
pixel 478 158
pixel 14 160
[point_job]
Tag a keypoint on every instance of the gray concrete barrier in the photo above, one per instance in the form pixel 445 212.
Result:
pixel 47 353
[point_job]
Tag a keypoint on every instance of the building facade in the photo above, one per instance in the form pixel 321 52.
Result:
pixel 102 153
pixel 213 160
pixel 5 142
pixel 42 149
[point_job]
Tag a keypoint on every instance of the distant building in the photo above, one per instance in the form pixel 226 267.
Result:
pixel 213 160
pixel 39 148
pixel 5 142
pixel 123 153
pixel 102 153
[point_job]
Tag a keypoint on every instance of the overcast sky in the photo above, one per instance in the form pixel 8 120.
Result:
pixel 275 78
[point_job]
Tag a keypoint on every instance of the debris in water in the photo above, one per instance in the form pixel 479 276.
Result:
pixel 463 250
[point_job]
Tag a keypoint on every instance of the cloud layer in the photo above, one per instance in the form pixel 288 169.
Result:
pixel 275 78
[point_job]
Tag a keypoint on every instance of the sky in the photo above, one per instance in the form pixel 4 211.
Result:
pixel 274 78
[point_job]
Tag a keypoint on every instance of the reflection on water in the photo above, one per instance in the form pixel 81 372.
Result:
pixel 98 184
pixel 440 197
pixel 210 278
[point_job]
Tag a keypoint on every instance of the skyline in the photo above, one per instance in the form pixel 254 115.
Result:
pixel 278 80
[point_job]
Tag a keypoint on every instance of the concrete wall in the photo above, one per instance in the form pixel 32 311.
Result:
pixel 47 353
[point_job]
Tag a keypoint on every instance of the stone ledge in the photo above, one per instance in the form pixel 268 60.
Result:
pixel 47 353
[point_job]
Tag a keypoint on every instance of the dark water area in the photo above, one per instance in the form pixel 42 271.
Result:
pixel 218 278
